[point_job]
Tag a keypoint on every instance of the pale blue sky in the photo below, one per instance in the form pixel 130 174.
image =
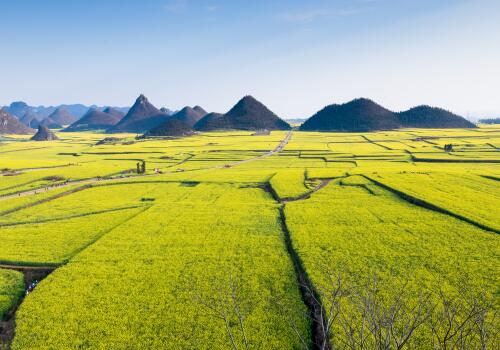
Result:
pixel 295 56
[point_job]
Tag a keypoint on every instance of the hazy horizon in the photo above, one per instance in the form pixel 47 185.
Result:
pixel 294 57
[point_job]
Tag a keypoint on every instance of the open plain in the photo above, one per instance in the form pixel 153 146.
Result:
pixel 227 240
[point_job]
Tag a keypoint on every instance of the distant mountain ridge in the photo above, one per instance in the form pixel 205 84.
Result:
pixel 19 108
pixel 357 115
pixel 189 115
pixel 62 116
pixel 142 117
pixel 362 115
pixel 96 119
pixel 207 121
pixel 247 114
pixel 171 127
pixel 48 122
pixel 28 118
pixel 180 123
pixel 432 117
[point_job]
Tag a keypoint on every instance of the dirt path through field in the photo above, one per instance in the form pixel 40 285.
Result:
pixel 322 184
pixel 100 180
pixel 70 183
pixel 278 149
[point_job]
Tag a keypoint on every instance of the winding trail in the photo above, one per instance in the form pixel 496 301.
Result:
pixel 322 184
pixel 100 180
pixel 278 149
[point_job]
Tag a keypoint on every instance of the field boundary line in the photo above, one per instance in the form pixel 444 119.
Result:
pixel 85 182
pixel 45 200
pixel 377 144
pixel 23 265
pixel 18 185
pixel 93 241
pixel 427 205
pixel 306 195
pixel 22 170
pixel 443 160
pixel 17 223
pixel 489 177
pixel 310 296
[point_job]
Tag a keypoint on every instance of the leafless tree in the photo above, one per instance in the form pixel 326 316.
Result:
pixel 224 303
pixel 291 315
pixel 465 320
pixel 361 313
pixel 358 316
pixel 365 312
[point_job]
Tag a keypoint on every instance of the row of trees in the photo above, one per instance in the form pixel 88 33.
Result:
pixel 361 314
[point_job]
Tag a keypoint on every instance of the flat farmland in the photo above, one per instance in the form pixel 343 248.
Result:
pixel 234 241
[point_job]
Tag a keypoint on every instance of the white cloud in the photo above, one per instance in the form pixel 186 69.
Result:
pixel 176 6
pixel 212 8
pixel 313 15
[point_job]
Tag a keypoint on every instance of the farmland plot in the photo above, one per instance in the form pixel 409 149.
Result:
pixel 195 257
pixel 164 278
pixel 363 232
pixel 468 195
pixel 54 242
pixel 11 288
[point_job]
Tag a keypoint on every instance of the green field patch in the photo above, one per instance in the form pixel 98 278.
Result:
pixel 55 242
pixel 470 196
pixel 98 198
pixel 20 202
pixel 11 289
pixel 358 235
pixel 168 274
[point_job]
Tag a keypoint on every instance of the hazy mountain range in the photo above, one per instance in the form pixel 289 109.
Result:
pixel 19 108
pixel 358 115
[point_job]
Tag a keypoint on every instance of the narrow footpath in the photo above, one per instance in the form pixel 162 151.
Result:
pixel 100 180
